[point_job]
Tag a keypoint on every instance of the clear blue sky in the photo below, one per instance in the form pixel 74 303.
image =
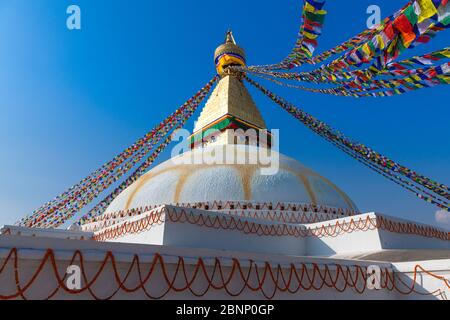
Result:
pixel 71 100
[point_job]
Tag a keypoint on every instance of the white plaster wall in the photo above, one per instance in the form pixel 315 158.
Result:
pixel 154 235
pixel 107 284
pixel 30 253
pixel 390 240
pixel 357 241
pixel 45 233
pixel 425 284
pixel 352 242
pixel 194 236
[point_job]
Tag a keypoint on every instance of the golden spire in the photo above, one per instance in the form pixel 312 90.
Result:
pixel 229 37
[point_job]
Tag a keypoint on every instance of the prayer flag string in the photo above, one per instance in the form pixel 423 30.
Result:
pixel 67 204
pixel 100 208
pixel 417 79
pixel 416 23
pixel 341 77
pixel 313 17
pixel 411 26
pixel 439 190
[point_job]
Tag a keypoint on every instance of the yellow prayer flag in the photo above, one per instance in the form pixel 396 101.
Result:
pixel 445 52
pixel 310 35
pixel 379 40
pixel 309 8
pixel 366 49
pixel 427 9
pixel 444 78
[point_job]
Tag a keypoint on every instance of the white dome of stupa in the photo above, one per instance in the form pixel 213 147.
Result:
pixel 181 181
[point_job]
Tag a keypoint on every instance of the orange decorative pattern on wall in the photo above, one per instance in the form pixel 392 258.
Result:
pixel 224 222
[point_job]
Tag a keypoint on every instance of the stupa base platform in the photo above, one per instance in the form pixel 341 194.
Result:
pixel 257 231
pixel 33 267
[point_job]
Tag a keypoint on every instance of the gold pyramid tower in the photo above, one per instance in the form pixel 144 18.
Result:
pixel 230 106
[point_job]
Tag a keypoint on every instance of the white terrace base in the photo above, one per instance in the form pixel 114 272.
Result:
pixel 186 227
pixel 149 272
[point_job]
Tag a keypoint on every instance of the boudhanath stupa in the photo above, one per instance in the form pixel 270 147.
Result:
pixel 236 229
